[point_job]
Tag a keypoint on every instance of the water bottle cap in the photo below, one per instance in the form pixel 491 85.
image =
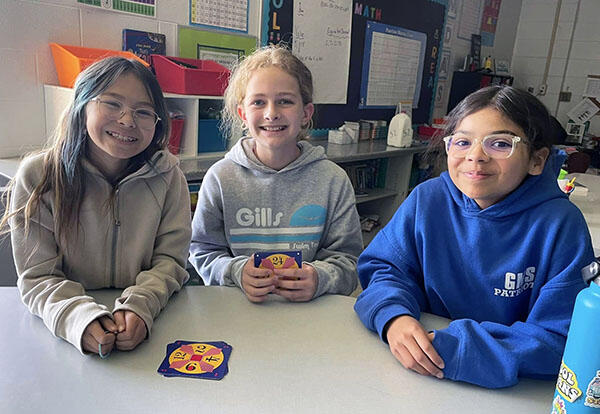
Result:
pixel 591 271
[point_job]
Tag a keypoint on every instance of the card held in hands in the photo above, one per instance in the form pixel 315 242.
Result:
pixel 278 260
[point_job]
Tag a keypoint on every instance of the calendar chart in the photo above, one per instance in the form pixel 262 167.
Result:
pixel 225 14
pixel 393 71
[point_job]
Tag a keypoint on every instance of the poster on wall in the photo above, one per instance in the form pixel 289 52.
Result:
pixel 452 9
pixel 470 19
pixel 439 94
pixel 592 86
pixel 146 8
pixel 277 21
pixel 448 33
pixel 323 45
pixel 392 66
pixel 444 65
pixel 223 14
pixel 489 21
pixel 224 49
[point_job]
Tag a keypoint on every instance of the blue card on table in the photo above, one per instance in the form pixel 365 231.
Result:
pixel 195 359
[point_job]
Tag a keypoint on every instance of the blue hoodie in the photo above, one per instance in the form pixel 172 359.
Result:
pixel 507 276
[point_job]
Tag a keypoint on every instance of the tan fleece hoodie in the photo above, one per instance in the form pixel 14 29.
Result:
pixel 139 242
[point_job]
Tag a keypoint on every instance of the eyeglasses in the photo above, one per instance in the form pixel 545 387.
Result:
pixel 497 146
pixel 114 110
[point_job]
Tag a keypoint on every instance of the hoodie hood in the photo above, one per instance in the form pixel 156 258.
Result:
pixel 242 154
pixel 161 162
pixel 534 190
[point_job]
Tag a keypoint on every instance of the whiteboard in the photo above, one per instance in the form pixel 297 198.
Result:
pixel 322 41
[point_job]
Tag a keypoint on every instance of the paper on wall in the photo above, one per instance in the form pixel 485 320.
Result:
pixel 584 110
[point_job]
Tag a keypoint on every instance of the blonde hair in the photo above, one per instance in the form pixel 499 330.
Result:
pixel 272 55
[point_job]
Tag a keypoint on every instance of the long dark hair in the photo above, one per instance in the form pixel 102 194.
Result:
pixel 62 173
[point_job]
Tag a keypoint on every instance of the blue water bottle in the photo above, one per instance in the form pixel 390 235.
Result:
pixel 578 384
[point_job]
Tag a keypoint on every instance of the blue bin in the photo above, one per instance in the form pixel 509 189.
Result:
pixel 209 136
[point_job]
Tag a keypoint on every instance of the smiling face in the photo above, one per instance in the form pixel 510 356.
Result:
pixel 113 142
pixel 273 111
pixel 487 180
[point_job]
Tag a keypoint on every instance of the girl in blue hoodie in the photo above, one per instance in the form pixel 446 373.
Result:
pixel 492 244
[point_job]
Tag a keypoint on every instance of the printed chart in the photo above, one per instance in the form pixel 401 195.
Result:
pixel 393 65
pixel 140 7
pixel 225 14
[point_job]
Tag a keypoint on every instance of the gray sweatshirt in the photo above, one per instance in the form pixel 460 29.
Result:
pixel 246 207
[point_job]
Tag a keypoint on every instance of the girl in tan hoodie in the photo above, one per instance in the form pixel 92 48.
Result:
pixel 106 206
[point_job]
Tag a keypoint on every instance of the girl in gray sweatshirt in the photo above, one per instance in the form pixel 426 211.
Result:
pixel 274 191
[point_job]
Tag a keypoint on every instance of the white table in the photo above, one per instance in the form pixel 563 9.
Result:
pixel 312 357
pixel 589 205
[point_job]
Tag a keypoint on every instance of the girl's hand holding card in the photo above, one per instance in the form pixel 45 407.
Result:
pixel 296 284
pixel 257 283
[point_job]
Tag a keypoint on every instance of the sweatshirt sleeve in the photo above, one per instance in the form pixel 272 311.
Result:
pixel 495 355
pixel 389 274
pixel 61 303
pixel 167 274
pixel 335 261
pixel 209 250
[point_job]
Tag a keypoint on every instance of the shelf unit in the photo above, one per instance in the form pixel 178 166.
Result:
pixel 57 99
pixel 381 201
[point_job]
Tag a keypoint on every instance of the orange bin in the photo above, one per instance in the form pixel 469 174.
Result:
pixel 71 60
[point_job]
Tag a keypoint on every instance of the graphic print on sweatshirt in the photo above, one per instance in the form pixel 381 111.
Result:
pixel 516 283
pixel 262 228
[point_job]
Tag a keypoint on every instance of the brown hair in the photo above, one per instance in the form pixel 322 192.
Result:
pixel 517 105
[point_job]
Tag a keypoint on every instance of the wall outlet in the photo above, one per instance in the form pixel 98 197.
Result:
pixel 564 96
pixel 542 89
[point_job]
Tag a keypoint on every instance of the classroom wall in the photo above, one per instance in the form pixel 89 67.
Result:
pixel 504 41
pixel 26 28
pixel 522 36
pixel 574 55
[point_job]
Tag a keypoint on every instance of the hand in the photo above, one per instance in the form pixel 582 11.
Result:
pixel 297 285
pixel 411 345
pixel 257 283
pixel 131 330
pixel 101 331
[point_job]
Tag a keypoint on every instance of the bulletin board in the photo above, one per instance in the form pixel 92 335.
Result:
pixel 421 16
pixel 224 49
